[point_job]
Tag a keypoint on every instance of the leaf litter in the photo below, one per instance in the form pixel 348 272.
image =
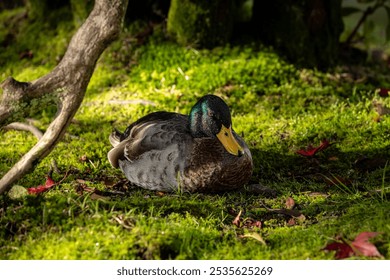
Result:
pixel 249 223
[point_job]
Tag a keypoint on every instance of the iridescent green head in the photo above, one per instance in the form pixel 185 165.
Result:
pixel 210 117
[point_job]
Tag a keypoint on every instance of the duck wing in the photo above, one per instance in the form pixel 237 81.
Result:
pixel 155 131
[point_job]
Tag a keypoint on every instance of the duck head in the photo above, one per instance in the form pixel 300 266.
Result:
pixel 210 117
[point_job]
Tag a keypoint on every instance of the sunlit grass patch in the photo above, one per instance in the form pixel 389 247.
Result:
pixel 278 108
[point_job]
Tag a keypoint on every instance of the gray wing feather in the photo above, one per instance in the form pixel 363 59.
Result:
pixel 148 136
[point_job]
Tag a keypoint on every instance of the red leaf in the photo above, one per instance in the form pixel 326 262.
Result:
pixel 40 189
pixel 290 203
pixel 49 182
pixel 365 247
pixel 291 222
pixel 342 249
pixel 311 151
pixel 359 247
pixel 384 92
pixel 250 223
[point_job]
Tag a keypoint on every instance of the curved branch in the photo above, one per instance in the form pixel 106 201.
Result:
pixel 24 127
pixel 67 82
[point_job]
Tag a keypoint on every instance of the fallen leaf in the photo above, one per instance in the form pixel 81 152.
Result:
pixel 296 220
pixel 311 151
pixel 317 194
pixel 342 249
pixel 380 108
pixel 250 223
pixel 364 246
pixel 361 246
pixel 127 223
pixel 254 235
pixel 384 92
pixel 236 220
pixel 81 181
pixel 290 203
pixel 291 222
pixel 42 188
pixel 301 218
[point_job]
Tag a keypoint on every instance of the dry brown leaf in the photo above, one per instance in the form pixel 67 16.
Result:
pixel 290 203
pixel 291 222
pixel 317 194
pixel 236 220
pixel 124 222
pixel 254 235
pixel 250 223
pixel 380 108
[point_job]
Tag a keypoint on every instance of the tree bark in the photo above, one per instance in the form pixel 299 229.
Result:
pixel 202 23
pixel 306 31
pixel 66 84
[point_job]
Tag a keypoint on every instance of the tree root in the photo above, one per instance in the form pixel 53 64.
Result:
pixel 66 83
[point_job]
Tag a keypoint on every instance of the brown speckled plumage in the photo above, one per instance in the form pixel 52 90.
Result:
pixel 159 152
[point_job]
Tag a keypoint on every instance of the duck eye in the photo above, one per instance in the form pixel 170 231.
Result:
pixel 226 134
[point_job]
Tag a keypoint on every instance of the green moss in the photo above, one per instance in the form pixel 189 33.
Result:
pixel 200 22
pixel 278 108
pixel 30 43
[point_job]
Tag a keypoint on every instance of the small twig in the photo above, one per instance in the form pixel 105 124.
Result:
pixel 287 212
pixel 367 12
pixel 24 127
pixel 124 223
pixel 54 167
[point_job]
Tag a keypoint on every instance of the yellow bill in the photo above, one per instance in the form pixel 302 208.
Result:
pixel 227 139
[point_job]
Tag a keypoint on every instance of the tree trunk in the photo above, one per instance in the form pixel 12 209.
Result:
pixel 306 31
pixel 201 22
pixel 66 84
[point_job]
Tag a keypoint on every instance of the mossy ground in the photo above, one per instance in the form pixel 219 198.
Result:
pixel 279 109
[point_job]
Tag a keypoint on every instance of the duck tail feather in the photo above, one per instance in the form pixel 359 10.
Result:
pixel 115 137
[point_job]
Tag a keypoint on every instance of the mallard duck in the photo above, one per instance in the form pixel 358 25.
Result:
pixel 169 151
